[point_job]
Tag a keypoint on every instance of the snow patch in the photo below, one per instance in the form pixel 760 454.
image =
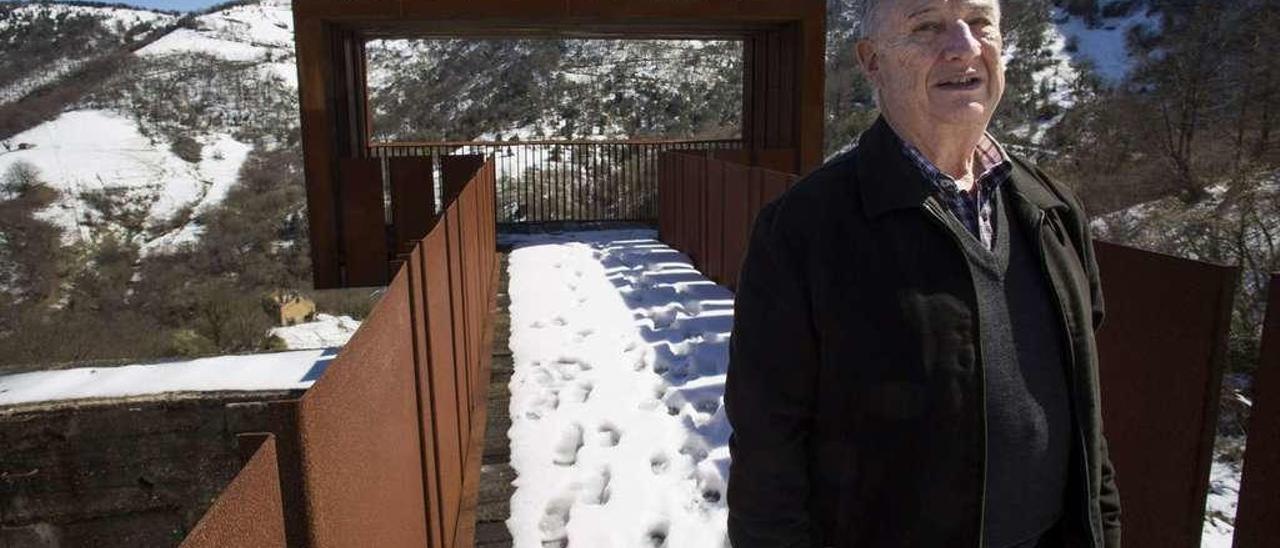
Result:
pixel 325 332
pixel 277 371
pixel 618 434
pixel 1104 46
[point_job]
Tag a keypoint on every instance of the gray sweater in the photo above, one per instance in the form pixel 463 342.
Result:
pixel 1027 406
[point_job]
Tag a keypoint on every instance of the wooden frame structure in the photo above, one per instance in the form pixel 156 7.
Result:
pixel 784 45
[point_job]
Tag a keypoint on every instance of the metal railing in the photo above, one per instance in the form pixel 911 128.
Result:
pixel 542 181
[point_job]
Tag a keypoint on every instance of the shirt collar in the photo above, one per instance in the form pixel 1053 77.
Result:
pixel 989 159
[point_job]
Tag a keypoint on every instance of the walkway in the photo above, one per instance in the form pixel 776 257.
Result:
pixel 618 350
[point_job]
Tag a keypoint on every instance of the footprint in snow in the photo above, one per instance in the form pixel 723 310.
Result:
pixel 608 435
pixel 657 535
pixel 595 488
pixel 555 521
pixel 565 451
pixel 579 392
pixel 659 463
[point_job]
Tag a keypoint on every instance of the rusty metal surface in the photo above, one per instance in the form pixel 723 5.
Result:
pixel 1161 353
pixel 736 219
pixel 446 428
pixel 457 170
pixel 1258 514
pixel 248 512
pixel 363 231
pixel 422 376
pixel 714 200
pixel 359 429
pixel 412 200
pixel 374 452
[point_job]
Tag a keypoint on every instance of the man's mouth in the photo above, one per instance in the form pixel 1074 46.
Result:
pixel 961 83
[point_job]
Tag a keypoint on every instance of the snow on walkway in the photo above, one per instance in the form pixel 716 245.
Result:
pixel 618 430
pixel 275 371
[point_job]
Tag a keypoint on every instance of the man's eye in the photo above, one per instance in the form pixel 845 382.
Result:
pixel 928 27
pixel 979 22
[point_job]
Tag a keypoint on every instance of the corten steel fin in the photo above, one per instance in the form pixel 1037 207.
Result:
pixel 412 199
pixel 248 512
pixel 736 219
pixel 375 452
pixel 364 228
pixel 361 457
pixel 422 377
pixel 457 170
pixel 714 200
pixel 1160 374
pixel 443 373
pixel 1258 514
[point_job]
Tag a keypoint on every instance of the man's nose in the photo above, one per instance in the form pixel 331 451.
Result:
pixel 960 43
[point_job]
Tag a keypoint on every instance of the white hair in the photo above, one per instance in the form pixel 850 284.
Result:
pixel 868 13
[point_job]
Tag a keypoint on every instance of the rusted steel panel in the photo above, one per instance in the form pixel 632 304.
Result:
pixel 788 49
pixel 457 170
pixel 738 156
pixel 714 262
pixel 755 193
pixel 1160 375
pixel 248 512
pixel 736 218
pixel 422 376
pixel 810 84
pixel 1258 515
pixel 774 184
pixel 443 376
pixel 314 72
pixel 777 159
pixel 467 204
pixel 412 199
pixel 773 89
pixel 359 429
pixel 461 356
pixel 364 228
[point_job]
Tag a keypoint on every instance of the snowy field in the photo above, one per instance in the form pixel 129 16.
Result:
pixel 618 433
pixel 277 371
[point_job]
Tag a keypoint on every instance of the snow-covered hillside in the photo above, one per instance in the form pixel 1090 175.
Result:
pixel 111 150
pixel 1103 47
pixel 84 152
pixel 90 31
pixel 260 32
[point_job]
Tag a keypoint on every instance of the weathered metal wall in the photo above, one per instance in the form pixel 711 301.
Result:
pixel 249 511
pixel 377 447
pixel 707 203
pixel 1258 514
pixel 1162 346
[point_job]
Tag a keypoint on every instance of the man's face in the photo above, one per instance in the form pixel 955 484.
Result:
pixel 936 62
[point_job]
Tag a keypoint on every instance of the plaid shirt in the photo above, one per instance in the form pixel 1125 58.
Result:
pixel 974 208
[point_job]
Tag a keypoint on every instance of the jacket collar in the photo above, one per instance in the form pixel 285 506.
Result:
pixel 886 177
pixel 888 180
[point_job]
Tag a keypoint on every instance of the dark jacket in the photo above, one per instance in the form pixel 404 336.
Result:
pixel 854 388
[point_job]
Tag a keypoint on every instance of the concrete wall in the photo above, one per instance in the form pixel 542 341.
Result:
pixel 132 472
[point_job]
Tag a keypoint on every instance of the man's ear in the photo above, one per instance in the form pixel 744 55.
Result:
pixel 868 59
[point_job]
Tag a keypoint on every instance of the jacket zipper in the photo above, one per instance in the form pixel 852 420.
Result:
pixel 1071 381
pixel 932 207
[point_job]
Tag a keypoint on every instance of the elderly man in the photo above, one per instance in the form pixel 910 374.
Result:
pixel 913 358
